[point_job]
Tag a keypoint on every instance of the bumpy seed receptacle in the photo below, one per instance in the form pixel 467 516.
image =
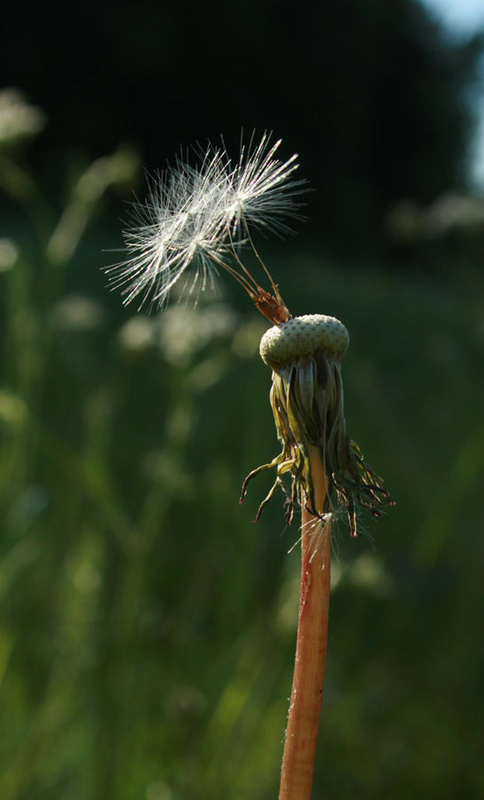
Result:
pixel 303 336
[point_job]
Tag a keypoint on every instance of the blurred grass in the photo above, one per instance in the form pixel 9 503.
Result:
pixel 146 627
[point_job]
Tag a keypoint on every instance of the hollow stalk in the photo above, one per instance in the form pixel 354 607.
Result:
pixel 312 636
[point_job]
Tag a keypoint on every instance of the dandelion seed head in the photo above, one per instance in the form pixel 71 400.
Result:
pixel 196 218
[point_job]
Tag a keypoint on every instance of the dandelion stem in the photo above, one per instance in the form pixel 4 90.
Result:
pixel 307 687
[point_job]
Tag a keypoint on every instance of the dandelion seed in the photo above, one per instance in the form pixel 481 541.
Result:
pixel 195 220
pixel 263 189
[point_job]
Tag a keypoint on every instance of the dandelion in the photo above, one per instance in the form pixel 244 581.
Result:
pixel 194 223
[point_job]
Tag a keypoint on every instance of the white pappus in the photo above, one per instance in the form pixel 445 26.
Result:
pixel 197 217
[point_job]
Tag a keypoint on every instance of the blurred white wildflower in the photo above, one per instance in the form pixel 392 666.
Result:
pixel 13 410
pixel 185 331
pixel 18 119
pixel 159 791
pixel 453 211
pixel 78 312
pixel 245 343
pixel 136 335
pixel 8 254
pixel 199 216
pixel 367 573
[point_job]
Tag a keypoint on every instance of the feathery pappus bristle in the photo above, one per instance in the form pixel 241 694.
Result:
pixel 195 218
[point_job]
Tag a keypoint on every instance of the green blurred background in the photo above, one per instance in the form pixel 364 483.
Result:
pixel 147 629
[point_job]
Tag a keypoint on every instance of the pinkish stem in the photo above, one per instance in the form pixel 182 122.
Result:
pixel 312 635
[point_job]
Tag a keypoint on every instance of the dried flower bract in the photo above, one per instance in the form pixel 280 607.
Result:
pixel 307 403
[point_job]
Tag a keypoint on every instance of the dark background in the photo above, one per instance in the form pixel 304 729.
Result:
pixel 374 97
